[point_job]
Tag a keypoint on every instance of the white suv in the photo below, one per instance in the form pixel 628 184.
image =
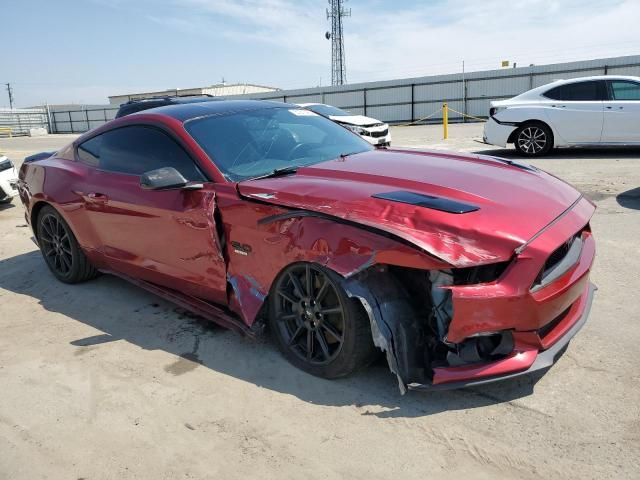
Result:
pixel 8 180
pixel 373 131
pixel 591 111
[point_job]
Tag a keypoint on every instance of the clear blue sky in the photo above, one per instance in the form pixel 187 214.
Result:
pixel 64 51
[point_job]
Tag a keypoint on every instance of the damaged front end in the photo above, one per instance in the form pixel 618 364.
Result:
pixel 452 328
pixel 411 311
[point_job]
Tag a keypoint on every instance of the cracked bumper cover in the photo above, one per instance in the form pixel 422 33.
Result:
pixel 524 362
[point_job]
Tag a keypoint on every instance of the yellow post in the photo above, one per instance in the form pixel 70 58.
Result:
pixel 445 120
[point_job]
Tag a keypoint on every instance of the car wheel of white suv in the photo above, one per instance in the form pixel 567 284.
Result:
pixel 533 139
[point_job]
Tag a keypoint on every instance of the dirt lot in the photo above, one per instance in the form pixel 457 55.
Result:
pixel 103 380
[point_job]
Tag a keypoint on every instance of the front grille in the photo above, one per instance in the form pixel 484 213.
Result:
pixel 382 133
pixel 560 260
pixel 558 254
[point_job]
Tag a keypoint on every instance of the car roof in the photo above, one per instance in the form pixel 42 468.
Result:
pixel 189 111
pixel 597 77
pixel 133 106
pixel 534 93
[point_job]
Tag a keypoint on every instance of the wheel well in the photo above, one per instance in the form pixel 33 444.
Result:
pixel 35 211
pixel 512 137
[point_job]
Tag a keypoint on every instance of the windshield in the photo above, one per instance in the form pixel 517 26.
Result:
pixel 254 143
pixel 328 111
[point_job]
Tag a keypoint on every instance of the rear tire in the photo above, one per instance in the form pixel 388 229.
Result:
pixel 533 139
pixel 60 249
pixel 316 325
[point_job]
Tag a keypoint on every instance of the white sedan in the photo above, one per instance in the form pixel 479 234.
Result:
pixel 588 111
pixel 373 131
pixel 8 180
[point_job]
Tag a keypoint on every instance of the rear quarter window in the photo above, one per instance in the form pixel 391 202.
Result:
pixel 89 151
pixel 594 90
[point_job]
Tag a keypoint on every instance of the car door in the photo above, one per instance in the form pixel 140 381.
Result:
pixel 167 237
pixel 576 111
pixel 622 112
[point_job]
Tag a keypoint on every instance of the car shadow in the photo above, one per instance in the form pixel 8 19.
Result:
pixel 123 312
pixel 6 206
pixel 560 153
pixel 629 199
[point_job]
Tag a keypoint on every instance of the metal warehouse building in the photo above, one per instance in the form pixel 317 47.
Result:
pixel 394 101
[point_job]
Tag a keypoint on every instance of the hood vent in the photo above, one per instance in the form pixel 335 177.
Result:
pixel 427 201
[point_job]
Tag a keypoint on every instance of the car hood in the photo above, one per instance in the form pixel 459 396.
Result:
pixel 359 120
pixel 513 202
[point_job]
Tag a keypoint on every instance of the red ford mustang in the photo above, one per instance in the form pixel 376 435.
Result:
pixel 463 269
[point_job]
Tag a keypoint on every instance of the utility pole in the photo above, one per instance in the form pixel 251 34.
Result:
pixel 10 91
pixel 338 61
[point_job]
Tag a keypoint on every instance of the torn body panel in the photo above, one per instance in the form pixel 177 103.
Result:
pixel 487 330
pixel 283 239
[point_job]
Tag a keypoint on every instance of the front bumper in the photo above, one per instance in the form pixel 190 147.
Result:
pixel 496 133
pixel 380 141
pixel 8 184
pixel 377 136
pixel 524 361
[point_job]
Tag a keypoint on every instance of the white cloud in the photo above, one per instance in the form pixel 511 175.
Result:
pixel 384 41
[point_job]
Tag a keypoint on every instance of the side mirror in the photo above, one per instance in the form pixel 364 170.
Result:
pixel 166 178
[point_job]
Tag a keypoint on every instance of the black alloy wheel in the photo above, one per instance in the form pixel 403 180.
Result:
pixel 317 326
pixel 60 248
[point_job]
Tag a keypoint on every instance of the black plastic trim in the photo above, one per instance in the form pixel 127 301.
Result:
pixel 427 201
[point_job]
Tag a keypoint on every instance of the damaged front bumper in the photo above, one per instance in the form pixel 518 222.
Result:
pixel 525 359
pixel 536 305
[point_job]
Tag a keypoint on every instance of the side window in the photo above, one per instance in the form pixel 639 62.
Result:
pixel 89 151
pixel 135 150
pixel 580 91
pixel 622 90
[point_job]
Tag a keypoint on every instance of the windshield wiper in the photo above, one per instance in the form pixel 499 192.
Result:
pixel 278 172
pixel 348 154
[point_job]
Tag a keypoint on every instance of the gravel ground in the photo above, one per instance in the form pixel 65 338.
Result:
pixel 103 380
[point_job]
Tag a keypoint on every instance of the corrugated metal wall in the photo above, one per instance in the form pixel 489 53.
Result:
pixel 18 121
pixel 410 99
pixel 403 100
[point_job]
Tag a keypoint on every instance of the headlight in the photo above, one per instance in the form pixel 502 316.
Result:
pixel 358 130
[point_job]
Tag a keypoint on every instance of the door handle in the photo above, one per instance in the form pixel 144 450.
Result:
pixel 619 108
pixel 97 197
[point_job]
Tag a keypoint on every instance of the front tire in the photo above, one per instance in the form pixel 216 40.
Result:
pixel 61 250
pixel 316 325
pixel 534 139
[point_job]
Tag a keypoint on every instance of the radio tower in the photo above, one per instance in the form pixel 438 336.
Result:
pixel 338 63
